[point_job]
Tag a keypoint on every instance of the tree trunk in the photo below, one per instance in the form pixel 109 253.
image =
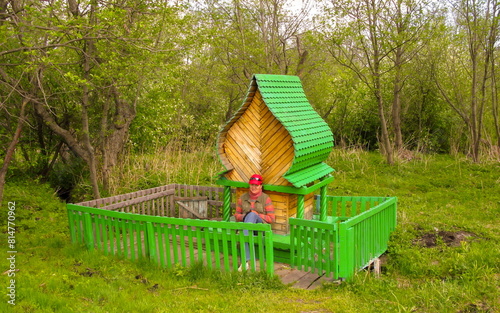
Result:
pixel 386 142
pixel 115 136
pixel 377 85
pixel 12 148
pixel 89 55
pixel 396 104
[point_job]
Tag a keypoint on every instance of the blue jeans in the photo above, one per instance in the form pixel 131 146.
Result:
pixel 250 217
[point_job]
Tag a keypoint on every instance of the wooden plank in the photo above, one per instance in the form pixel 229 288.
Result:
pixel 250 146
pixel 278 148
pixel 249 126
pixel 275 170
pixel 241 154
pixel 278 139
pixel 235 155
pixel 267 118
pixel 306 281
pixel 236 174
pixel 197 210
pixel 275 174
pixel 280 144
pixel 272 131
pixel 240 166
pixel 197 198
pixel 251 117
pixel 284 150
pixel 293 276
pixel 138 200
pixel 320 281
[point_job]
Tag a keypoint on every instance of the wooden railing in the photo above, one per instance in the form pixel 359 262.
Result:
pixel 364 237
pixel 184 201
pixel 347 207
pixel 146 224
pixel 169 241
pixel 314 246
pixel 356 232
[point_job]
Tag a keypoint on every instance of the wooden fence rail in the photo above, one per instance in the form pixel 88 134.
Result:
pixel 174 200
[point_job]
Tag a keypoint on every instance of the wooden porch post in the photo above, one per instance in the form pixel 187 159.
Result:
pixel 300 206
pixel 226 209
pixel 323 204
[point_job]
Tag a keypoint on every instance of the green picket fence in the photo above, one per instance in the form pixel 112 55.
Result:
pixel 168 241
pixel 356 232
pixel 313 246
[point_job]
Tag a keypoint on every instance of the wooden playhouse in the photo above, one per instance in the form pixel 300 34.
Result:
pixel 275 133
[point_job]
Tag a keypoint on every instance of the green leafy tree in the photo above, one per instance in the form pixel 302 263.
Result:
pixel 84 66
pixel 465 78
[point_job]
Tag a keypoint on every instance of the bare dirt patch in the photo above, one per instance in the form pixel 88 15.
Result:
pixel 449 238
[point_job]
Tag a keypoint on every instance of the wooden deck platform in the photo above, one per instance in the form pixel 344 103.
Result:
pixel 300 279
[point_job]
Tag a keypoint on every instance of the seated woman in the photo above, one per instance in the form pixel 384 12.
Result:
pixel 254 207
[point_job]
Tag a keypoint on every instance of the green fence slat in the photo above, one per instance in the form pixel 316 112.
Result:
pixel 234 249
pixel 104 235
pixel 268 237
pixel 162 243
pixel 189 234
pixel 216 247
pixel 134 245
pixel 322 260
pixel 354 207
pixel 314 256
pixel 169 245
pixel 182 246
pixel 175 244
pixel 251 244
pixel 105 223
pixel 303 247
pixel 123 229
pixel 88 232
pixel 261 246
pixel 72 227
pixel 241 240
pixel 138 238
pixel 98 228
pixel 298 246
pixel 79 228
pixel 225 249
pixel 117 237
pixel 131 241
pixel 199 244
pixel 208 249
pixel 150 234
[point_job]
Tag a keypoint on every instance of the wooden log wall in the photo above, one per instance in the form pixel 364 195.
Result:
pixel 257 143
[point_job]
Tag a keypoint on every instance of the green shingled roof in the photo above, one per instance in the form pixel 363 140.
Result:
pixel 312 138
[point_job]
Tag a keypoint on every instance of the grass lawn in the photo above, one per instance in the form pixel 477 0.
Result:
pixel 443 257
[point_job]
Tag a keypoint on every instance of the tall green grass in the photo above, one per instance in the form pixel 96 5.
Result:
pixel 194 165
pixel 437 196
